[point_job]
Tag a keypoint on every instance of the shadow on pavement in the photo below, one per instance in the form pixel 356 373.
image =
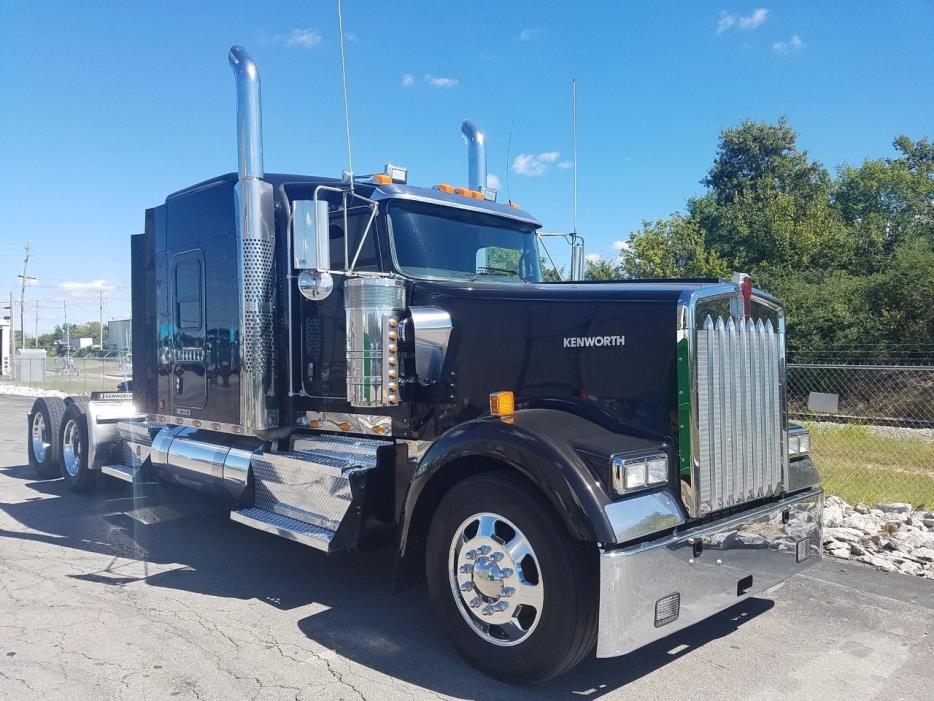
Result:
pixel 185 541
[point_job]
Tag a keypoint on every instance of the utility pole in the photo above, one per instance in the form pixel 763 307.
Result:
pixel 35 336
pixel 67 330
pixel 22 298
pixel 100 312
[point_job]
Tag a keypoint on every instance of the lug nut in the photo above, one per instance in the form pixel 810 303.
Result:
pixel 484 549
pixel 506 572
pixel 466 586
pixel 496 557
pixel 487 610
pixel 471 554
pixel 474 602
pixel 501 606
pixel 465 569
pixel 508 591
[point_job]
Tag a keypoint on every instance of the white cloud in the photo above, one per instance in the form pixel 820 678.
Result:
pixel 534 164
pixel 350 36
pixel 593 257
pixel 493 182
pixel 621 246
pixel 300 38
pixel 728 20
pixel 408 80
pixel 444 83
pixel 784 47
pixel 754 20
pixel 529 34
pixel 725 22
pixel 564 165
pixel 88 289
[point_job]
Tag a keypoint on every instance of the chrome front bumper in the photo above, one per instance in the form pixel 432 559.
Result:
pixel 710 568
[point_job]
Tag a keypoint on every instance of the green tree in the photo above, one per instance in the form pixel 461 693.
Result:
pixel 673 247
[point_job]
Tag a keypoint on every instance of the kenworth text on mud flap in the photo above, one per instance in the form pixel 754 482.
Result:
pixel 574 468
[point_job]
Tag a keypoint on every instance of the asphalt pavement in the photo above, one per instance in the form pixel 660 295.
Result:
pixel 155 593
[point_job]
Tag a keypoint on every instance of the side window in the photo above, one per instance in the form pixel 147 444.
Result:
pixel 356 223
pixel 188 302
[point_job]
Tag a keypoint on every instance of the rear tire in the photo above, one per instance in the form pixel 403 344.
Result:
pixel 42 444
pixel 517 596
pixel 73 439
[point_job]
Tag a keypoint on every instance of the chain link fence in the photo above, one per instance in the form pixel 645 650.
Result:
pixel 72 374
pixel 872 427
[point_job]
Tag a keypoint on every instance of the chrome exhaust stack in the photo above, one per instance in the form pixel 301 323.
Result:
pixel 476 155
pixel 255 253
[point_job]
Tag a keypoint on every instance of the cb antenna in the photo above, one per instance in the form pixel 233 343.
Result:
pixel 574 154
pixel 340 29
pixel 508 146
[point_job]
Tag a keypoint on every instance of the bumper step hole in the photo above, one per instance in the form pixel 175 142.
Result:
pixel 744 585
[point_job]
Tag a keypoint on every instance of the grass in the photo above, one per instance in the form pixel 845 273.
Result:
pixel 858 464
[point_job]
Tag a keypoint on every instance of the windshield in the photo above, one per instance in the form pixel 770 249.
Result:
pixel 432 241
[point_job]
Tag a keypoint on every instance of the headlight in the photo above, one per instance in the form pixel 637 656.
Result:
pixel 799 441
pixel 634 472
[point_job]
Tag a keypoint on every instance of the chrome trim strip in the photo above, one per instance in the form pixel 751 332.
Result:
pixel 431 332
pixel 121 472
pixel 347 423
pixel 170 420
pixel 704 566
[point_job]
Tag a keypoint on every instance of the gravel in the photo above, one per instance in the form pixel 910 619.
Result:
pixel 890 537
pixel 8 388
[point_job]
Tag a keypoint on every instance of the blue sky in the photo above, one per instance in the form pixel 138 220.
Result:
pixel 110 106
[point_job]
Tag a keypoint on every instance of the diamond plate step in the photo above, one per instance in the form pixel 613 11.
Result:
pixel 285 527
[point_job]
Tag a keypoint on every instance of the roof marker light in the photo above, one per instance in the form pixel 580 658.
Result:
pixel 398 174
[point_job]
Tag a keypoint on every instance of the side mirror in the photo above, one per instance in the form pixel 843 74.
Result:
pixel 311 246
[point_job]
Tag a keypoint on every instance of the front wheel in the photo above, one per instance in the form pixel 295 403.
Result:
pixel 73 439
pixel 516 594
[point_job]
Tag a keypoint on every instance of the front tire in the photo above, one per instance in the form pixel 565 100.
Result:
pixel 45 421
pixel 515 593
pixel 73 439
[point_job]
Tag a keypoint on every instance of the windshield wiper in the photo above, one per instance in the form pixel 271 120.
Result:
pixel 487 270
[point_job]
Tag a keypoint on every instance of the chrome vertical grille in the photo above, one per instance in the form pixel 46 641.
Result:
pixel 740 454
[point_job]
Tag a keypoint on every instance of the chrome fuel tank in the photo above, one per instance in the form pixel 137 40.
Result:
pixel 181 457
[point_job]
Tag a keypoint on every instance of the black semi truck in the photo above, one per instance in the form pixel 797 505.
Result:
pixel 573 467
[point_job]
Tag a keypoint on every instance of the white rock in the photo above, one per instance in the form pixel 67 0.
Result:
pixel 909 567
pixel 909 541
pixel 928 522
pixel 923 554
pixel 878 562
pixel 857 549
pixel 840 553
pixel 832 516
pixel 878 513
pixel 844 535
pixel 866 524
pixel 896 508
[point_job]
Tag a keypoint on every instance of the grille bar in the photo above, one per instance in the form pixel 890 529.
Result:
pixel 740 453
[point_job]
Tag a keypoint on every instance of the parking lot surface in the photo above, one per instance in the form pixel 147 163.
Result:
pixel 157 594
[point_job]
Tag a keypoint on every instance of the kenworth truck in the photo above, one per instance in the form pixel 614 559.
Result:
pixel 574 468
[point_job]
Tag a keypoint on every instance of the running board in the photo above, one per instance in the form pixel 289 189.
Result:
pixel 121 472
pixel 293 529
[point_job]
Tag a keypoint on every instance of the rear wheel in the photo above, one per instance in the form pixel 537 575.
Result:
pixel 516 594
pixel 42 444
pixel 74 446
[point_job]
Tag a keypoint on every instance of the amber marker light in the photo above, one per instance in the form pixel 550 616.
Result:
pixel 449 189
pixel 383 179
pixel 502 404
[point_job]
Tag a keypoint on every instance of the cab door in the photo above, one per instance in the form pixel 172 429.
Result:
pixel 189 389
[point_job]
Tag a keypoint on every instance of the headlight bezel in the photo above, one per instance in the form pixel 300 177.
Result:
pixel 631 472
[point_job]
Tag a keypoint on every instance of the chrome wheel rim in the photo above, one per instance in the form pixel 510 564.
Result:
pixel 40 437
pixel 71 447
pixel 495 579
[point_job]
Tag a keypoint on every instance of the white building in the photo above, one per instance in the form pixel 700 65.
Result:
pixel 6 348
pixel 119 335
